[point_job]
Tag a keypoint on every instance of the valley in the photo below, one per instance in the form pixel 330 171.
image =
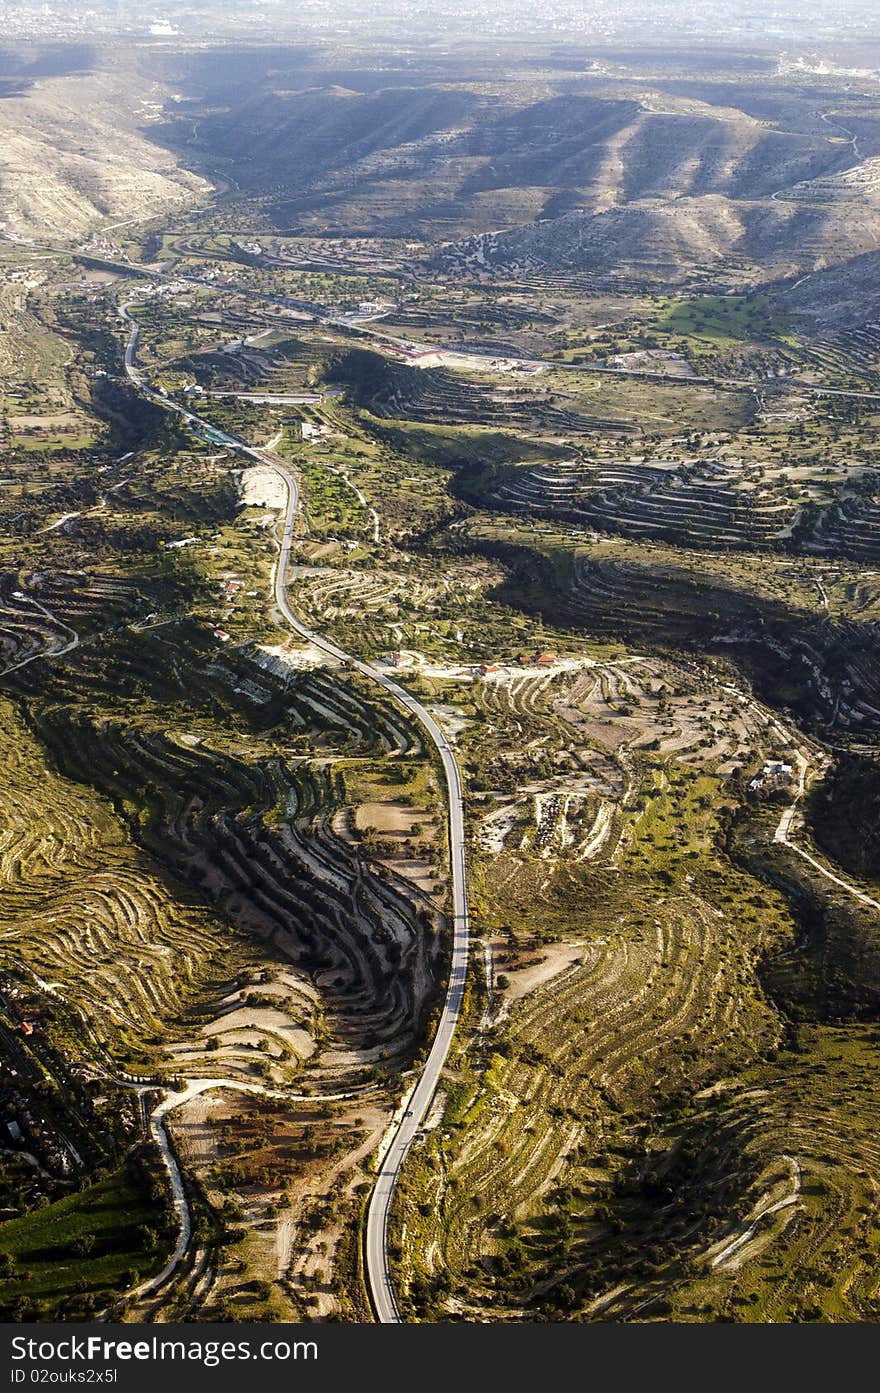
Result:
pixel 440 665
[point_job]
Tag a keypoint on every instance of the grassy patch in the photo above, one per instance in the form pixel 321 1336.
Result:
pixel 723 319
pixel 448 445
pixel 89 1243
pixel 332 503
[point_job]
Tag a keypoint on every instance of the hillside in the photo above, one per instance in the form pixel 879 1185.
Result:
pixel 440 679
pixel 74 152
pixel 552 169
pixel 839 296
pixel 674 239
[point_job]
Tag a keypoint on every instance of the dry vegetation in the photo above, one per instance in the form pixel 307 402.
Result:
pixel 588 504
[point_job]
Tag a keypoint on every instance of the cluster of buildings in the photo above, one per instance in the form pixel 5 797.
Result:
pixel 774 776
pixel 102 246
pixel 541 657
pixel 154 291
pixel 309 430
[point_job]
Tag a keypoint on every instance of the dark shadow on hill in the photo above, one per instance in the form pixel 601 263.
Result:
pixel 844 815
pixel 21 67
pixel 826 675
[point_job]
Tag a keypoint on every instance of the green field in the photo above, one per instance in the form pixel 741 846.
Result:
pixel 91 1244
pixel 719 321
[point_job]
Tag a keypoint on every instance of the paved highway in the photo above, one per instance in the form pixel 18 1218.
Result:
pixel 733 384
pixel 324 316
pixel 378 1271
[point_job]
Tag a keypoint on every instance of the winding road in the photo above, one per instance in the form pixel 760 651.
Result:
pixel 406 1129
pixel 320 315
pixel 73 641
pixel 783 834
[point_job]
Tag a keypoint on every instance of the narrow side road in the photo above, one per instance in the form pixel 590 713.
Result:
pixel 72 642
pixel 783 834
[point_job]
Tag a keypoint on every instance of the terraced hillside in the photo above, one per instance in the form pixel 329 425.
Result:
pixel 121 949
pixel 711 505
pixel 618 1053
pixel 574 367
pixel 62 175
pixel 669 601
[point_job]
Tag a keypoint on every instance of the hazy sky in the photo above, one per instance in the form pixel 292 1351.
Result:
pixel 774 21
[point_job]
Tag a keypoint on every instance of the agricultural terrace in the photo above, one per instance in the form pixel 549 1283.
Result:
pixel 623 548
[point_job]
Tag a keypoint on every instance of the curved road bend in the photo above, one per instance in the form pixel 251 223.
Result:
pixel 378 1271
